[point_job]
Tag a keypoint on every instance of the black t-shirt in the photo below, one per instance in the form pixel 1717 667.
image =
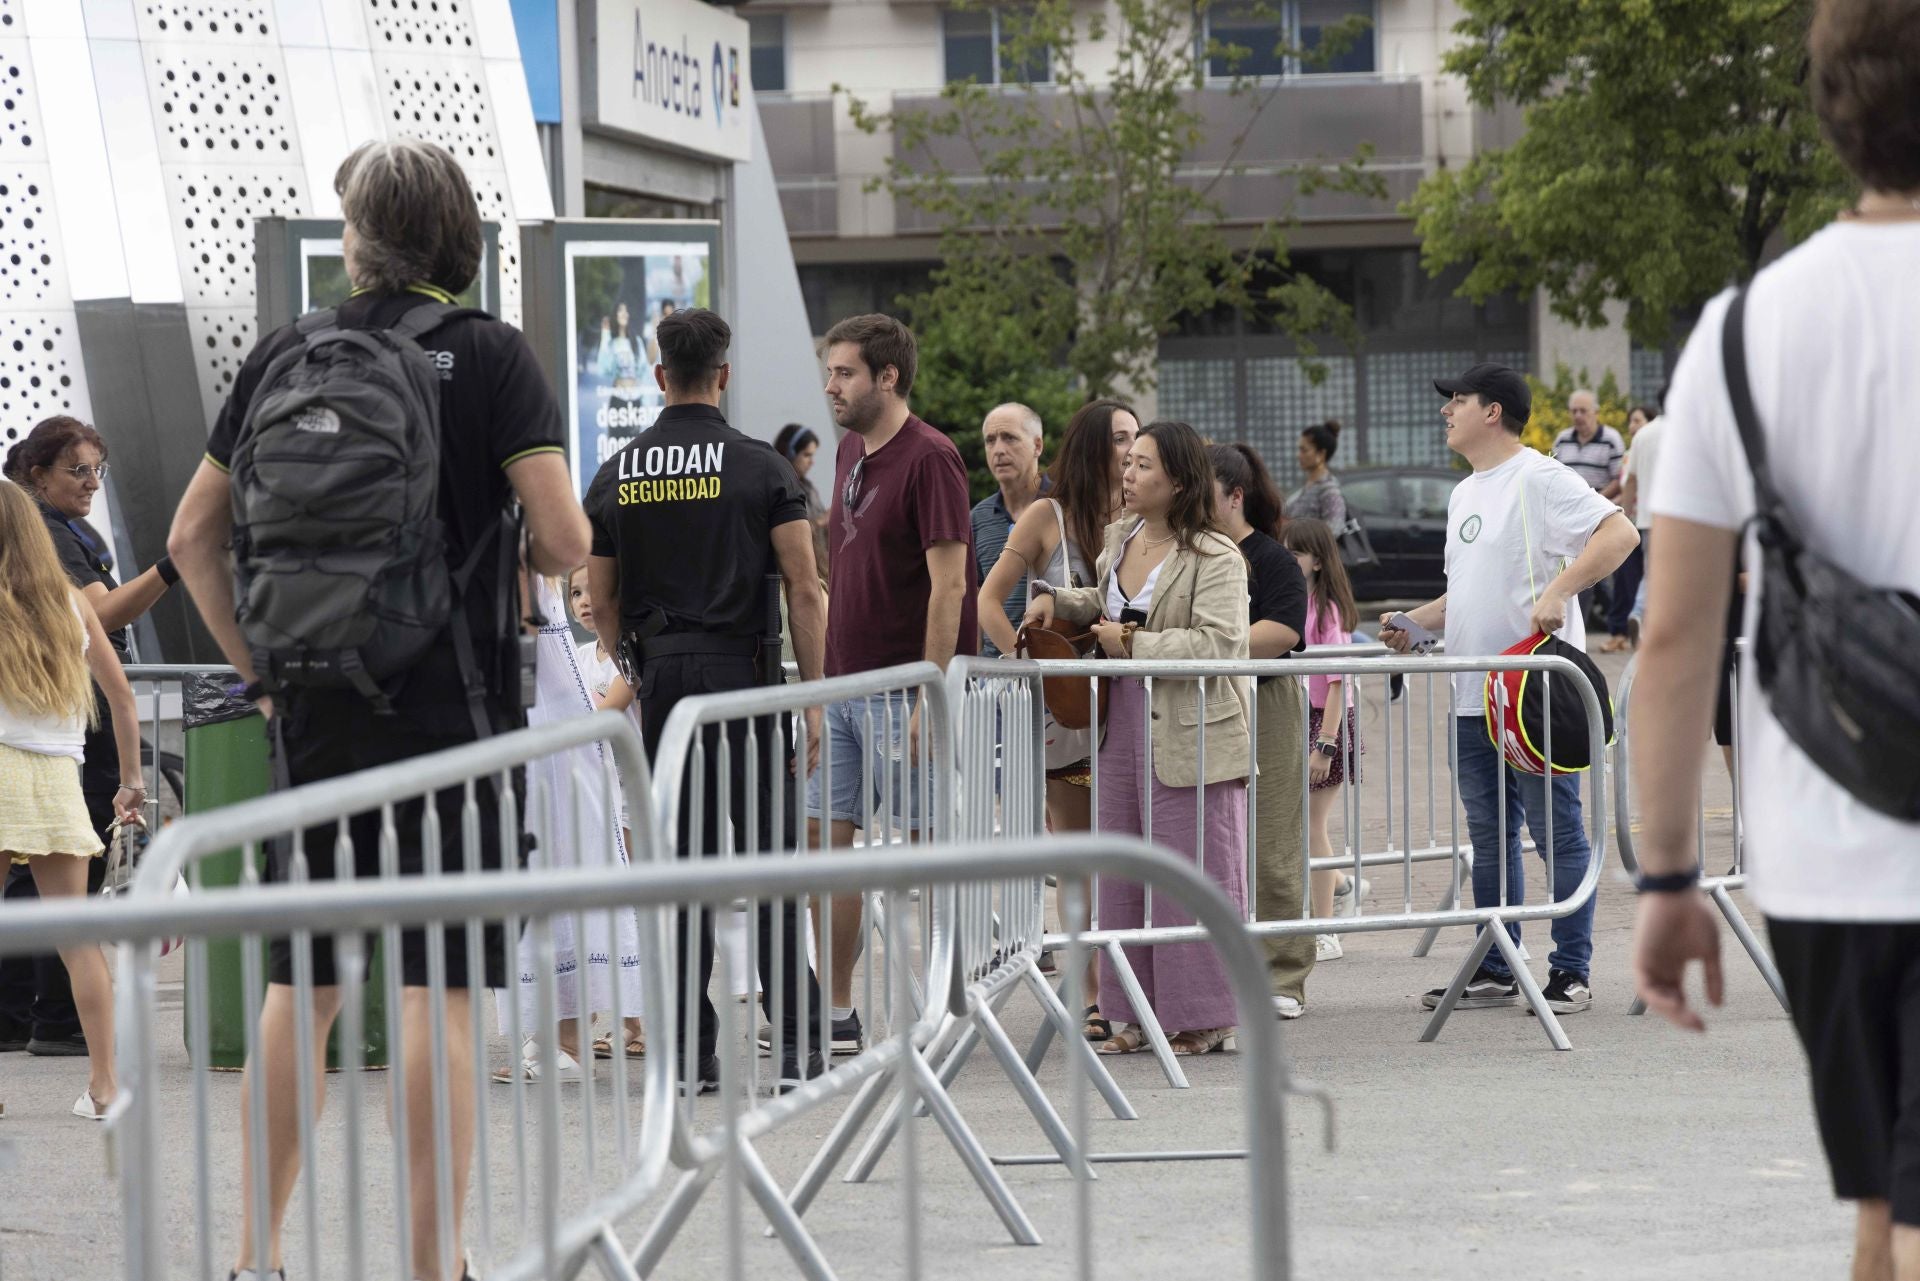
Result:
pixel 79 546
pixel 1276 589
pixel 495 409
pixel 688 509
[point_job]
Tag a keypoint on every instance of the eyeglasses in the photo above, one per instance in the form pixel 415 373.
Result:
pixel 852 492
pixel 82 471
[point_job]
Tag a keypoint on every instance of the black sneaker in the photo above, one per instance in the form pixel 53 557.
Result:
pixel 848 1036
pixel 14 1036
pixel 708 1081
pixel 59 1047
pixel 1484 991
pixel 791 1077
pixel 1567 993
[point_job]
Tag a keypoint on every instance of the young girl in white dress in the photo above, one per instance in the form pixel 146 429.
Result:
pixel 572 681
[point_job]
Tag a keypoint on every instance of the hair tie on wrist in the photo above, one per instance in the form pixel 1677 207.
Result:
pixel 168 574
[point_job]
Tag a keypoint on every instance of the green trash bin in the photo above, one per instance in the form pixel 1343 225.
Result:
pixel 226 762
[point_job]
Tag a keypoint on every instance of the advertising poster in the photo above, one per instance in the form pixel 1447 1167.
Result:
pixel 617 294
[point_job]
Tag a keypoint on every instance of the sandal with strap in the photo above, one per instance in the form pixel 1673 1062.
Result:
pixel 603 1046
pixel 1206 1040
pixel 1095 1028
pixel 1127 1040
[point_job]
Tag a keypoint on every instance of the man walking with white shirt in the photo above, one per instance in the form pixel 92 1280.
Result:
pixel 1525 535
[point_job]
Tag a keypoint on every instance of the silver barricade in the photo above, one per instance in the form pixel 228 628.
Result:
pixel 565 1245
pixel 1716 886
pixel 517 1235
pixel 1452 911
pixel 710 746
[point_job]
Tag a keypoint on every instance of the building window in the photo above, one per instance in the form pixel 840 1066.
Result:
pixel 1264 38
pixel 834 291
pixel 979 47
pixel 767 36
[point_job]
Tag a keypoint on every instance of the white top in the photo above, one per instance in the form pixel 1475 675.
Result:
pixel 47 735
pixel 599 672
pixel 1143 599
pixel 1643 462
pixel 1510 531
pixel 1830 358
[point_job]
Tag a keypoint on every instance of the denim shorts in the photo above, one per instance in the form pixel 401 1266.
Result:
pixel 864 742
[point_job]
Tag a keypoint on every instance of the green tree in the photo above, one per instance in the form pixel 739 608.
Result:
pixel 1667 143
pixel 1101 171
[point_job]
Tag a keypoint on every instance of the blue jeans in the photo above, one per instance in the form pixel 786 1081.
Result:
pixel 1482 775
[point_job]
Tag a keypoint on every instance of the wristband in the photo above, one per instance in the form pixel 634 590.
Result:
pixel 1667 882
pixel 168 574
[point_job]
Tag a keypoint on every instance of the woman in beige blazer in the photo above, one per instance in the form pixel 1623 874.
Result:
pixel 1169 586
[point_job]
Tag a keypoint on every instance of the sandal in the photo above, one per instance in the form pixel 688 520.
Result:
pixel 1095 1028
pixel 1127 1040
pixel 1206 1040
pixel 603 1046
pixel 566 1067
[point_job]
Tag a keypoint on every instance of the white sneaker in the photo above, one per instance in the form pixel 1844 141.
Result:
pixel 86 1109
pixel 1345 901
pixel 1326 947
pixel 566 1067
pixel 1287 1007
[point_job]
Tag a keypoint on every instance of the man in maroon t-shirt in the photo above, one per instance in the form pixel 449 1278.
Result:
pixel 901 534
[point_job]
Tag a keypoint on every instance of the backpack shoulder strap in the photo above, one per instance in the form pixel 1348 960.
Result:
pixel 1733 357
pixel 317 322
pixel 428 316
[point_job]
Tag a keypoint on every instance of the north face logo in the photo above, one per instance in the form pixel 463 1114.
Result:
pixel 319 418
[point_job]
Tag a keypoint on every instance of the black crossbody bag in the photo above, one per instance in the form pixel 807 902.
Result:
pixel 1838 660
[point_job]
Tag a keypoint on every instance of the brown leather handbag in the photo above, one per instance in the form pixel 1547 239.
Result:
pixel 1066 696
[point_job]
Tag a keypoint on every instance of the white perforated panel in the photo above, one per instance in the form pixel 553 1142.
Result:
pixel 19 128
pixel 12 21
pixel 40 370
pixel 222 338
pixel 440 100
pixel 212 211
pixel 434 26
pixel 221 107
pixel 31 275
pixel 490 193
pixel 204 20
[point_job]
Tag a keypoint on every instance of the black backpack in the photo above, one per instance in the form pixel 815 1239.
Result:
pixel 340 560
pixel 1838 660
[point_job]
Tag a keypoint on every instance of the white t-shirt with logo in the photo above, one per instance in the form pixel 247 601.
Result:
pixel 1510 531
pixel 1830 356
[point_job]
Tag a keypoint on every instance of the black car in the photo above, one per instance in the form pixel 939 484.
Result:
pixel 1404 511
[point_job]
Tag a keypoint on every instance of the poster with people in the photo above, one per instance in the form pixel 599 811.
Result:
pixel 617 295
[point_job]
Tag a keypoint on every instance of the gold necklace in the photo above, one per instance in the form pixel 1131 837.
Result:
pixel 1146 542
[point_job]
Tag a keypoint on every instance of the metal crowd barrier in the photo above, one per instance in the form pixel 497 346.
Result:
pixel 1394 749
pixel 1716 886
pixel 517 1235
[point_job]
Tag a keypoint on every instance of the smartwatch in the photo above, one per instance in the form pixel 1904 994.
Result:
pixel 1327 749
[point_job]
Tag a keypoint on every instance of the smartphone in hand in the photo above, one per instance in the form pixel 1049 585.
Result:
pixel 1420 640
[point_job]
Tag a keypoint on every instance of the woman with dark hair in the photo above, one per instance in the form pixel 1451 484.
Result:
pixel 62 463
pixel 1056 540
pixel 619 358
pixel 1250 515
pixel 1319 498
pixel 800 445
pixel 1169 585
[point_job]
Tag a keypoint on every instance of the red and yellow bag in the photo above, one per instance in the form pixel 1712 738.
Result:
pixel 1517 711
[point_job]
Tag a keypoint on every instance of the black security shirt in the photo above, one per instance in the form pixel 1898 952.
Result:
pixel 688 509
pixel 1276 589
pixel 495 409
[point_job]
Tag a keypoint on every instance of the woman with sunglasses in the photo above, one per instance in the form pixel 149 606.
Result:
pixel 61 464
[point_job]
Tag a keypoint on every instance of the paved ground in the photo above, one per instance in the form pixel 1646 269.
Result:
pixel 1640 1154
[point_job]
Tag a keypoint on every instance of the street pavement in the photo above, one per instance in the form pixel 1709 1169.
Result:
pixel 1642 1153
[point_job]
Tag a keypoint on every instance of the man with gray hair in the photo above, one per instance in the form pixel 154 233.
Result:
pixel 1011 435
pixel 1597 453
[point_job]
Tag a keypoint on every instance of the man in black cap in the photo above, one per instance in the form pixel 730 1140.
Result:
pixel 689 520
pixel 1525 535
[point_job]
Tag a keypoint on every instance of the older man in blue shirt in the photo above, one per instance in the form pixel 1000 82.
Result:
pixel 1011 434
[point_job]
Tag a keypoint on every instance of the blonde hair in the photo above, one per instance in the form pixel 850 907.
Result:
pixel 43 665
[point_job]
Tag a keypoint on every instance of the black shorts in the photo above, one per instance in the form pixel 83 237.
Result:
pixel 327 739
pixel 1855 993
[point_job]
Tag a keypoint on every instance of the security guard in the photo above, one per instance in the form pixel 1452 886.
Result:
pixel 690 519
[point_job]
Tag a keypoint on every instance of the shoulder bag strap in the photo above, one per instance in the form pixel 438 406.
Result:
pixel 1776 526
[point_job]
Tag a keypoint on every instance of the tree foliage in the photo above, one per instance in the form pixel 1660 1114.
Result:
pixel 1106 171
pixel 1667 143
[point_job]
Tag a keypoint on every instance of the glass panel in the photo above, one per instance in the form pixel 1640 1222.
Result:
pixel 1426 497
pixel 1200 393
pixel 1367 495
pixel 1396 295
pixel 768 55
pixel 1257 30
pixel 1037 69
pixel 1649 374
pixel 1281 402
pixel 1320 16
pixel 1404 427
pixel 969 44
